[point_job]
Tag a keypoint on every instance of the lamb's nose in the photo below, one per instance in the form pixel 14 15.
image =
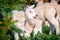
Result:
pixel 34 17
pixel 24 31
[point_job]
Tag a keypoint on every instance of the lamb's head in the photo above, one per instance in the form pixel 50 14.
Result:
pixel 30 12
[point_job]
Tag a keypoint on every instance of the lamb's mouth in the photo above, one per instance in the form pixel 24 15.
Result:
pixel 34 17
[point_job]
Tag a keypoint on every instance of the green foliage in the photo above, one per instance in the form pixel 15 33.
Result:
pixel 3 35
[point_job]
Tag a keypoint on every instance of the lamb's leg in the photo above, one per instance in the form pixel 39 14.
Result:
pixel 55 23
pixel 29 29
pixel 50 16
pixel 38 27
pixel 16 36
pixel 51 29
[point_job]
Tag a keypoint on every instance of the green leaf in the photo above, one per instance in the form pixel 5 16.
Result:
pixel 16 29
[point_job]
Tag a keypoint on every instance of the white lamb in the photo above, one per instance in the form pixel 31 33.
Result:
pixel 47 11
pixel 35 23
pixel 19 18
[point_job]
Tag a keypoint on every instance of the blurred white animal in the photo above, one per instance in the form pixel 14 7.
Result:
pixel 30 15
pixel 35 23
pixel 19 18
pixel 48 11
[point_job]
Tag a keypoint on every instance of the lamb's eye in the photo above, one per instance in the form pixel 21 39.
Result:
pixel 36 15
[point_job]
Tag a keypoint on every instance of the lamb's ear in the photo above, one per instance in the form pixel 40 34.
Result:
pixel 31 6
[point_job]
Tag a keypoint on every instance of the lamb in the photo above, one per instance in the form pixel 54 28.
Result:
pixel 46 10
pixel 35 23
pixel 21 21
pixel 19 18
